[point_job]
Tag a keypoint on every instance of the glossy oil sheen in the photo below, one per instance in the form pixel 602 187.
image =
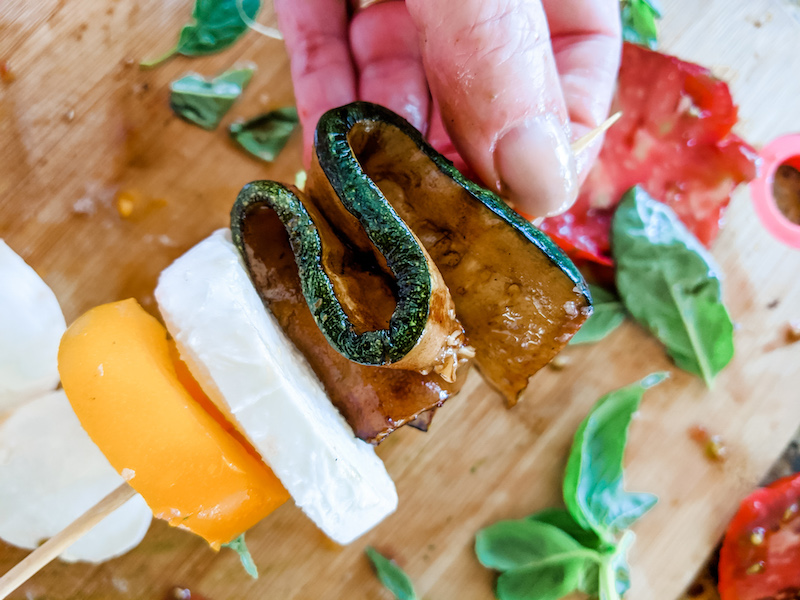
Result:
pixel 373 400
pixel 518 297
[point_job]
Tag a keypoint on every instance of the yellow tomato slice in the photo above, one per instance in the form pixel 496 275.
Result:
pixel 120 377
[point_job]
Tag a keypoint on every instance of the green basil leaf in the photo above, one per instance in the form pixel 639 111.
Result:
pixel 266 135
pixel 391 576
pixel 622 575
pixel 240 75
pixel 615 574
pixel 559 517
pixel 205 102
pixel 619 564
pixel 217 25
pixel 593 482
pixel 508 545
pixel 246 559
pixel 671 285
pixel 546 582
pixel 589 582
pixel 655 6
pixel 639 22
pixel 608 314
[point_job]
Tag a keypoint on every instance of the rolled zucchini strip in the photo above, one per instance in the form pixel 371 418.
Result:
pixel 381 201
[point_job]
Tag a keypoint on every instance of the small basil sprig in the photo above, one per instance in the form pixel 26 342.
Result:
pixel 593 486
pixel 391 576
pixel 608 314
pixel 246 559
pixel 203 102
pixel 266 135
pixel 526 543
pixel 217 25
pixel 556 551
pixel 639 21
pixel 560 518
pixel 671 284
pixel 536 559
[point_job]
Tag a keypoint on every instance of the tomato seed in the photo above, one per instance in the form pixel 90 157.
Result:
pixel 757 536
pixel 716 449
pixel 755 568
pixel 791 512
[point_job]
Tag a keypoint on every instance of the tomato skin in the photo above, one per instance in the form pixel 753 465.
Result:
pixel 674 139
pixel 760 556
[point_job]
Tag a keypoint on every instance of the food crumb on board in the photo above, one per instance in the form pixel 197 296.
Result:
pixel 125 204
pixel 477 465
pixel 560 362
pixel 133 205
pixel 761 20
pixel 7 75
pixel 713 445
pixel 793 331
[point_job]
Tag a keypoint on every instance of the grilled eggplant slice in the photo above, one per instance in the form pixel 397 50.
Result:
pixel 365 260
pixel 374 292
pixel 374 400
pixel 519 298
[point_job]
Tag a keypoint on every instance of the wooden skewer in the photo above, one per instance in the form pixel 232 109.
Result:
pixel 37 559
pixel 582 143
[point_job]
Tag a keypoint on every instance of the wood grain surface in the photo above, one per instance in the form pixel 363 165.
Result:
pixel 82 124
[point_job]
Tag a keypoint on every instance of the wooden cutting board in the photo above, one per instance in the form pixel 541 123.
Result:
pixel 81 124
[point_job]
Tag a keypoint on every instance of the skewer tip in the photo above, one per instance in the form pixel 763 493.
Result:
pixel 582 143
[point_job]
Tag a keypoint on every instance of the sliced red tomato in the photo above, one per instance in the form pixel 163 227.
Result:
pixel 674 139
pixel 760 557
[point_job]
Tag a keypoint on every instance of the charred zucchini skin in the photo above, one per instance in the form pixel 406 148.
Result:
pixel 403 255
pixel 351 183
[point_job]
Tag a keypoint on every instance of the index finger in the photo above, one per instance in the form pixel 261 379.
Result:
pixel 316 35
pixel 586 43
pixel 491 68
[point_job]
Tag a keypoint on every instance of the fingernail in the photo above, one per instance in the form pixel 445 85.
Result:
pixel 536 167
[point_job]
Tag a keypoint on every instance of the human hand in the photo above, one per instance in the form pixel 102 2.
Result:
pixel 510 82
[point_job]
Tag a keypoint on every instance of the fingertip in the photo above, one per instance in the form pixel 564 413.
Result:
pixel 385 46
pixel 536 167
pixel 316 36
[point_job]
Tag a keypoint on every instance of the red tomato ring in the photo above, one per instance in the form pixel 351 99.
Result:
pixel 782 150
pixel 761 551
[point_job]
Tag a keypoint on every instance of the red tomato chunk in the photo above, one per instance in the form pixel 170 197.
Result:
pixel 674 139
pixel 760 557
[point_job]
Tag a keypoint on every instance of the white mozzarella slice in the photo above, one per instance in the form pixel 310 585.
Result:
pixel 51 473
pixel 31 326
pixel 238 353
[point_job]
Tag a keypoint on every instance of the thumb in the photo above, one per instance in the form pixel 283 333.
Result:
pixel 490 66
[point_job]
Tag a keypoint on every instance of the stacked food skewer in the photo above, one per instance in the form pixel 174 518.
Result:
pixel 219 421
